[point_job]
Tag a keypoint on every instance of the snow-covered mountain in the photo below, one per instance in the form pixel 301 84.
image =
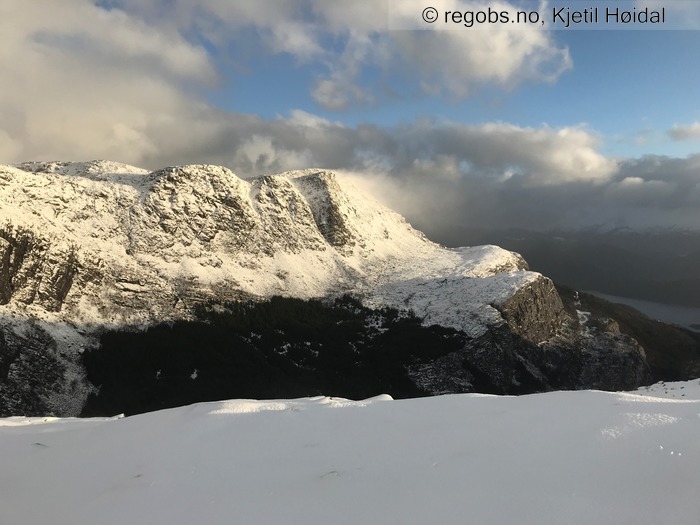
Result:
pixel 554 458
pixel 90 245
pixel 101 242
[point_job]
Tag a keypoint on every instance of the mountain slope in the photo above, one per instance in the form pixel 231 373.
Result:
pixel 106 242
pixel 95 245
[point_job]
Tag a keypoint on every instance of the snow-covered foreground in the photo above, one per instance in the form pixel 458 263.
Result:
pixel 563 457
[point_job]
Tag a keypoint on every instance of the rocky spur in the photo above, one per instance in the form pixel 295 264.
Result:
pixel 566 17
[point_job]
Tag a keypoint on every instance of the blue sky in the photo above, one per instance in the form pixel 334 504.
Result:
pixel 532 128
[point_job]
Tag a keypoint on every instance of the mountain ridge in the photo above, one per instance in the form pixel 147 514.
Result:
pixel 202 224
pixel 93 245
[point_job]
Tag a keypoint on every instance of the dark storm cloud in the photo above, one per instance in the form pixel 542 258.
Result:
pixel 444 176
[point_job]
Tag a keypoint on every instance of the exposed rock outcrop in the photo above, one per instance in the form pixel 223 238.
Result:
pixel 535 312
pixel 35 377
pixel 24 255
pixel 541 347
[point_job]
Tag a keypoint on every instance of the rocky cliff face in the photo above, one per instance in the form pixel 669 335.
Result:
pixel 535 312
pixel 91 245
pixel 26 254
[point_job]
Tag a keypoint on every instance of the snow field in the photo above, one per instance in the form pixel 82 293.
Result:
pixel 562 457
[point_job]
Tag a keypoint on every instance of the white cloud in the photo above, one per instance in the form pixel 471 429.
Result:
pixel 688 132
pixel 348 38
pixel 543 156
pixel 338 93
pixel 309 120
pixel 449 63
pixel 85 33
pixel 453 61
pixel 82 82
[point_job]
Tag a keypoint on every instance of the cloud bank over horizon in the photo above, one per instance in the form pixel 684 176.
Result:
pixel 127 81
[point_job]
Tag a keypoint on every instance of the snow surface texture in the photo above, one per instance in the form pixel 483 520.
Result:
pixel 115 244
pixel 562 457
